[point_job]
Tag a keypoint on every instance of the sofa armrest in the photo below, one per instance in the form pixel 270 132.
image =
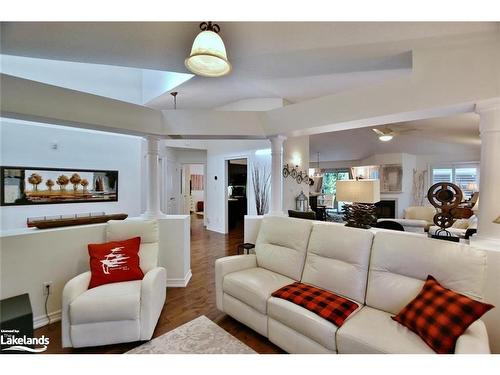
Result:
pixel 226 265
pixel 474 340
pixel 153 295
pixel 73 288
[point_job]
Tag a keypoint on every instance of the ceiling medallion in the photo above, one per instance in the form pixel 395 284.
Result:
pixel 208 56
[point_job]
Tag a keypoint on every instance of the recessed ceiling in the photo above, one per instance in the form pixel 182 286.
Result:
pixel 295 61
pixel 132 85
pixel 456 134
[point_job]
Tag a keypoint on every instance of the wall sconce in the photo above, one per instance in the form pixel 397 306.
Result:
pixel 296 159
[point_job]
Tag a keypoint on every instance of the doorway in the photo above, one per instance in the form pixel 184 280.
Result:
pixel 236 193
pixel 193 189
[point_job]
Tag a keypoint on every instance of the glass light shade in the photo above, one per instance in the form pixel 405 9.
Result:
pixel 358 191
pixel 385 137
pixel 208 56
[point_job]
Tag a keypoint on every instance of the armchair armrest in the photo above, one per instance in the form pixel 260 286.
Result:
pixel 71 291
pixel 153 295
pixel 474 340
pixel 230 264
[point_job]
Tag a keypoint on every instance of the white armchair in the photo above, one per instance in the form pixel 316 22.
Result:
pixel 118 312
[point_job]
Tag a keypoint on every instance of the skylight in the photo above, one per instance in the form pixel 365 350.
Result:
pixel 133 85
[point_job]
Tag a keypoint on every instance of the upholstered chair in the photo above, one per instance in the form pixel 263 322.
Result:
pixel 118 312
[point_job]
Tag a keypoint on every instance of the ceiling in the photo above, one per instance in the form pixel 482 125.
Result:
pixel 455 134
pixel 294 61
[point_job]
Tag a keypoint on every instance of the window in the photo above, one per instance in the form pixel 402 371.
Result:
pixel 465 176
pixel 330 180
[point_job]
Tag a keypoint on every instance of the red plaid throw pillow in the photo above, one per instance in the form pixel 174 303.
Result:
pixel 329 306
pixel 439 315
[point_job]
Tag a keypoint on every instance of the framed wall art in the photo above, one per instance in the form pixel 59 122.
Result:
pixel 35 185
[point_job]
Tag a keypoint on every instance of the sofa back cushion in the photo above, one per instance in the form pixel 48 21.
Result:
pixel 281 245
pixel 118 230
pixel 420 213
pixel 337 259
pixel 401 262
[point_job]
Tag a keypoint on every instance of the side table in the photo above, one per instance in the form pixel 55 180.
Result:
pixel 245 248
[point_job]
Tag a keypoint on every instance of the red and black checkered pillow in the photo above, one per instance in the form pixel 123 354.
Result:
pixel 439 315
pixel 329 306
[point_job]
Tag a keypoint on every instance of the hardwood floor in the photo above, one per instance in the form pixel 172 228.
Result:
pixel 185 304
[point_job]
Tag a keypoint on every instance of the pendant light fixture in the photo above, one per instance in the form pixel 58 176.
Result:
pixel 174 94
pixel 318 170
pixel 208 56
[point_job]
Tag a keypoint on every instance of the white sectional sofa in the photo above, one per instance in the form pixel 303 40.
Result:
pixel 380 270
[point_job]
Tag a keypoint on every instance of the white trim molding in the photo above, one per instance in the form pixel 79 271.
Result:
pixel 42 320
pixel 179 283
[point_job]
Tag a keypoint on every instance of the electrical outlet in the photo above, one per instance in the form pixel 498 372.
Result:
pixel 47 288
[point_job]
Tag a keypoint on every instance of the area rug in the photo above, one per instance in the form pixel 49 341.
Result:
pixel 199 336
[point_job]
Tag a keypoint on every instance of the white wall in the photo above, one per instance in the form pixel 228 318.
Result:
pixel 295 152
pixel 30 144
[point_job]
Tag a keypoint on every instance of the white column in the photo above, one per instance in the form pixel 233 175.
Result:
pixel 276 207
pixel 488 233
pixel 153 210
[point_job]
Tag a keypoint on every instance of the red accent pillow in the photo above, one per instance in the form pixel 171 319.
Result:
pixel 114 262
pixel 329 306
pixel 440 316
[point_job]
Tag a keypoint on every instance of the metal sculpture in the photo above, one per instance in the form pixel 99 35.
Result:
pixel 446 197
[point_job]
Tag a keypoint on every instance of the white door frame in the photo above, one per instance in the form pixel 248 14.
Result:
pixel 204 163
pixel 226 181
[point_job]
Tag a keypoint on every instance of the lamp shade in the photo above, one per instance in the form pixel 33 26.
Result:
pixel 358 191
pixel 208 56
pixel 472 186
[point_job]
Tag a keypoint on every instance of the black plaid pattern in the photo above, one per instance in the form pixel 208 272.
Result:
pixel 440 316
pixel 329 306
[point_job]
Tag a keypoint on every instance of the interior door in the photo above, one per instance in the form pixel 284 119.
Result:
pixel 172 188
pixel 185 189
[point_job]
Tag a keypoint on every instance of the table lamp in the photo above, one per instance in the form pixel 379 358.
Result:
pixel 363 194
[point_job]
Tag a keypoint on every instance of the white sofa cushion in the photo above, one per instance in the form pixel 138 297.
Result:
pixel 371 331
pixel 400 263
pixel 118 230
pixel 420 213
pixel 304 321
pixel 110 302
pixel 281 245
pixel 254 286
pixel 337 259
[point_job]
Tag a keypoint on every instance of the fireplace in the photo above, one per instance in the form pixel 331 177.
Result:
pixel 386 209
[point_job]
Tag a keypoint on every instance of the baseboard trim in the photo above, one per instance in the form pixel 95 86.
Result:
pixel 42 320
pixel 179 283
